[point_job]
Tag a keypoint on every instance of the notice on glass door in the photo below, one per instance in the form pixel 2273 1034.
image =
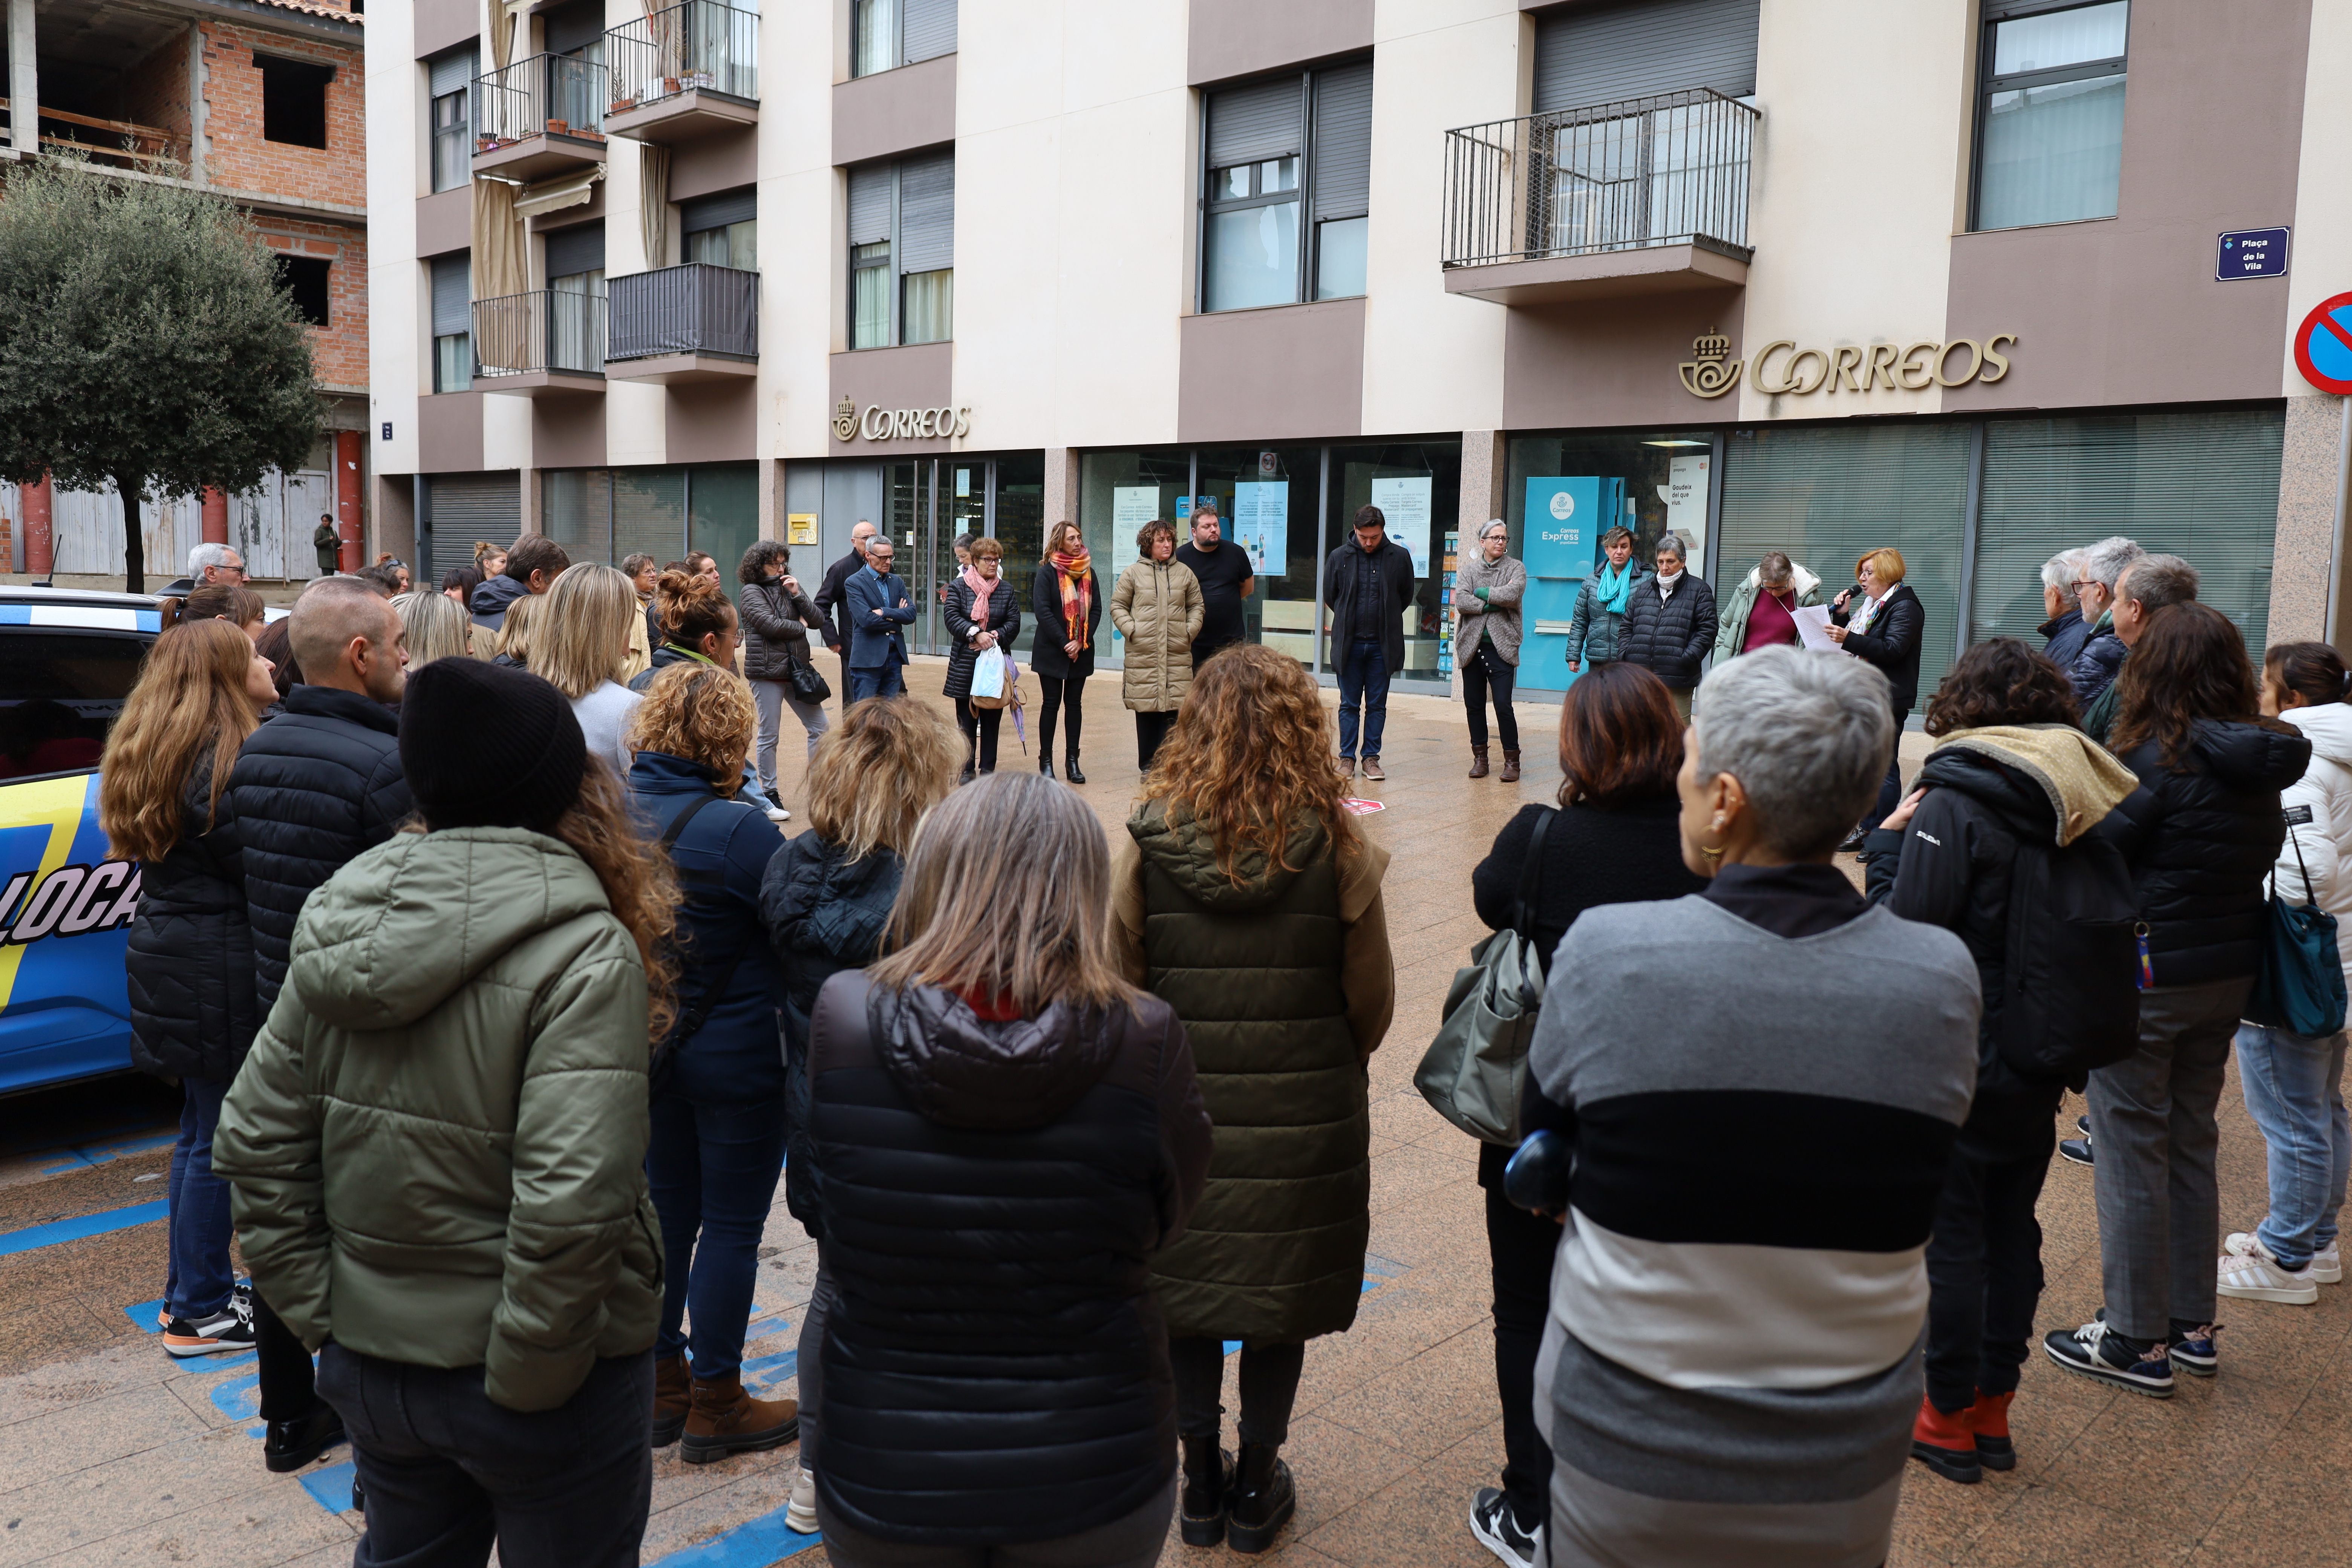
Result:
pixel 1685 493
pixel 1261 526
pixel 1405 504
pixel 1132 506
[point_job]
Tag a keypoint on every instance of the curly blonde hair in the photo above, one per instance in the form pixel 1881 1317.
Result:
pixel 1251 749
pixel 701 713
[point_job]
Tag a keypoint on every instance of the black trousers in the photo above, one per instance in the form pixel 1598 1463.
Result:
pixel 1984 1275
pixel 980 745
pixel 1150 728
pixel 1486 670
pixel 1269 1388
pixel 288 1392
pixel 1521 1246
pixel 449 1474
pixel 1061 697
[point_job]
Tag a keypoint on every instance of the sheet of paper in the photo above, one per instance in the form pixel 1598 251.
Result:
pixel 1405 503
pixel 1813 628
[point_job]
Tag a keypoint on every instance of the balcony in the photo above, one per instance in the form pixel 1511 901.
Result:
pixel 1648 195
pixel 538 117
pixel 545 344
pixel 684 73
pixel 694 323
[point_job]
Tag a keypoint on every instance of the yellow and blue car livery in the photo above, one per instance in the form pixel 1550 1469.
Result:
pixel 67 661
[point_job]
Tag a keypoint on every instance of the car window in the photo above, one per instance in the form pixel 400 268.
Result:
pixel 60 693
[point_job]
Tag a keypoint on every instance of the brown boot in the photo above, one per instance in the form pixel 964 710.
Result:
pixel 673 1397
pixel 726 1420
pixel 1477 762
pixel 1510 766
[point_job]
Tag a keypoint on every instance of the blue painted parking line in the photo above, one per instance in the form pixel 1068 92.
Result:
pixel 754 1543
pixel 85 1155
pixel 148 1315
pixel 331 1487
pixel 239 1398
pixel 35 1236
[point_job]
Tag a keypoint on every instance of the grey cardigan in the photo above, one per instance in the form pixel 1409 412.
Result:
pixel 1506 582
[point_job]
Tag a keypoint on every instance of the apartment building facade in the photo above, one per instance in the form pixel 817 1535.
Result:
pixel 264 101
pixel 1975 279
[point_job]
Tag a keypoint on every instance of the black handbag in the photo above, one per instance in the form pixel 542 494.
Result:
pixel 808 686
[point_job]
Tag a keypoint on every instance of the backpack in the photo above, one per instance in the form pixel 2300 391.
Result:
pixel 2070 979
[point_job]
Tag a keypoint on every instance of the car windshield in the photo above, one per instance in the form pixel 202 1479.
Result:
pixel 60 693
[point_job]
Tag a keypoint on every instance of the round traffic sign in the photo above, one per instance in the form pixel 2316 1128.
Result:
pixel 2323 346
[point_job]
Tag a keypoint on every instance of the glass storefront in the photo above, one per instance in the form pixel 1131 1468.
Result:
pixel 928 503
pixel 609 514
pixel 1288 505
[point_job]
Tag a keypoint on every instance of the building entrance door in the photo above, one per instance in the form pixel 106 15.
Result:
pixel 924 537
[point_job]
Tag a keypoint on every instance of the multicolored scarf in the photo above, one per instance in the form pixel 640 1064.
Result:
pixel 1077 587
pixel 981 588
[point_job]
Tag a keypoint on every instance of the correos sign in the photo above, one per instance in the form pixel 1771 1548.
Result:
pixel 1783 368
pixel 879 423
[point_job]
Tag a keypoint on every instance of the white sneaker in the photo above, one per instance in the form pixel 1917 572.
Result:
pixel 800 1515
pixel 778 814
pixel 2251 1274
pixel 2328 1265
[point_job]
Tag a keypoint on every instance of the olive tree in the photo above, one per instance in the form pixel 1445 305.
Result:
pixel 145 340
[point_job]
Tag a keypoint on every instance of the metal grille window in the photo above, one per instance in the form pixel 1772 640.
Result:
pixel 447 79
pixel 2050 112
pixel 887 33
pixel 453 322
pixel 902 252
pixel 1286 189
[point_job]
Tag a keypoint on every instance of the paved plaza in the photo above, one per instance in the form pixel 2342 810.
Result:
pixel 110 1454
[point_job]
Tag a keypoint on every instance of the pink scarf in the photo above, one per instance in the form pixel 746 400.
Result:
pixel 980 587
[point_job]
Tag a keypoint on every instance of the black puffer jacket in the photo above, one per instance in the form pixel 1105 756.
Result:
pixel 1004 619
pixel 491 599
pixel 312 788
pixel 1047 656
pixel 2200 838
pixel 775 630
pixel 1891 643
pixel 190 965
pixel 1669 638
pixel 996 1369
pixel 2099 662
pixel 823 913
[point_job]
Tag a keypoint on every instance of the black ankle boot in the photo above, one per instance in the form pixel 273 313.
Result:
pixel 1262 1499
pixel 1070 770
pixel 1208 1476
pixel 1046 766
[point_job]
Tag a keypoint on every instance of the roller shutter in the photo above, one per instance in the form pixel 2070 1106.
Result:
pixel 931 29
pixel 453 288
pixel 927 212
pixel 450 72
pixel 464 507
pixel 719 209
pixel 1249 124
pixel 869 203
pixel 580 248
pixel 1606 54
pixel 1343 141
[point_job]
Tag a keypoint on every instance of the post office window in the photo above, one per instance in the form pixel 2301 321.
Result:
pixel 2050 112
pixel 902 251
pixel 1286 190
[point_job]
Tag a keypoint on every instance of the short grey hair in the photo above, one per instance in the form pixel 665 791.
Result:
pixel 2108 559
pixel 1673 541
pixel 1493 523
pixel 2058 572
pixel 1808 736
pixel 208 555
pixel 2159 581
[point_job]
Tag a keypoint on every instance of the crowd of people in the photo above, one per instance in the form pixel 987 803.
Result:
pixel 502 1004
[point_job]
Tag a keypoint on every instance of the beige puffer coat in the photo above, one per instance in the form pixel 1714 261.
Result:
pixel 1157 608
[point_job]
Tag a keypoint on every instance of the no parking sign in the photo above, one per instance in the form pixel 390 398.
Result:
pixel 2323 346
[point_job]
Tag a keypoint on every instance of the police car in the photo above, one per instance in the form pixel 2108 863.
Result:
pixel 67 660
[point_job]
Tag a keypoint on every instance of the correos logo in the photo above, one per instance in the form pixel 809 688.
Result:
pixel 1563 505
pixel 1560 535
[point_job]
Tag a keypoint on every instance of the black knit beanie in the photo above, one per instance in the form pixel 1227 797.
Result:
pixel 485 746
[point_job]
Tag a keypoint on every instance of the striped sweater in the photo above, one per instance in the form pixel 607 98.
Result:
pixel 1731 1357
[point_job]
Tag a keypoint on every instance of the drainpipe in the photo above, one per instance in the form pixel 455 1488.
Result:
pixel 215 516
pixel 347 500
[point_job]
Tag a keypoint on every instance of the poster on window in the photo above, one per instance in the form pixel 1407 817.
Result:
pixel 1405 504
pixel 1261 526
pixel 1132 506
pixel 1685 493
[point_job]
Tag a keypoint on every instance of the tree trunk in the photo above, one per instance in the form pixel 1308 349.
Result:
pixel 134 549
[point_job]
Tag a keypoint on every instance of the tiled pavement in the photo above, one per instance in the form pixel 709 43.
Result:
pixel 111 1455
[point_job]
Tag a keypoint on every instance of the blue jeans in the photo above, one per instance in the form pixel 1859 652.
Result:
pixel 882 681
pixel 1363 683
pixel 2295 1092
pixel 712 1167
pixel 200 1278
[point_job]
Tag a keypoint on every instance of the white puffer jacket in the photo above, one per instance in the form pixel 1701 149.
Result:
pixel 2325 841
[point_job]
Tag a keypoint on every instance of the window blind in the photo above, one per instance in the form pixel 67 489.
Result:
pixel 453 294
pixel 1343 141
pixel 2203 487
pixel 450 72
pixel 1605 54
pixel 719 209
pixel 869 204
pixel 1247 124
pixel 1828 495
pixel 580 248
pixel 931 29
pixel 927 212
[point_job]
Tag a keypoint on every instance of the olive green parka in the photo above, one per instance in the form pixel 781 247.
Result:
pixel 1285 985
pixel 1157 608
pixel 437 1142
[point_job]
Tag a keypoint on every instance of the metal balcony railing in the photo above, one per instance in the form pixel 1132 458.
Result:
pixel 544 330
pixel 701 45
pixel 1644 172
pixel 560 94
pixel 694 309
